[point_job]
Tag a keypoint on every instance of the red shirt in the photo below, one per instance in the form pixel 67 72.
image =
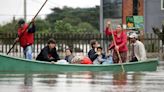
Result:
pixel 25 38
pixel 121 40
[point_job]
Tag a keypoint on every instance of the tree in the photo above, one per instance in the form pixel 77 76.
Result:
pixel 74 16
pixel 42 25
pixel 61 26
pixel 86 27
pixel 64 20
pixel 9 27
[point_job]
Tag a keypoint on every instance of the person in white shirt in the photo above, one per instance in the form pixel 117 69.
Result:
pixel 137 51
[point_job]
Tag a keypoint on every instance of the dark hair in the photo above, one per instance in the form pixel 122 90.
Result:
pixel 51 41
pixel 93 42
pixel 21 21
pixel 99 48
pixel 69 49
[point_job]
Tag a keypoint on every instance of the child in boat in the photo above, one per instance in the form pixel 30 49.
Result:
pixel 109 58
pixel 49 52
pixel 100 57
pixel 69 56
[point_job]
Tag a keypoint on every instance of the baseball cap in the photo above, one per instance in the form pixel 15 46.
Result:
pixel 133 35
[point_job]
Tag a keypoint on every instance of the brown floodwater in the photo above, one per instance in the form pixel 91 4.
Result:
pixel 85 82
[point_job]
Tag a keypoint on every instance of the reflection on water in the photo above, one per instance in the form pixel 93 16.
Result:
pixel 84 81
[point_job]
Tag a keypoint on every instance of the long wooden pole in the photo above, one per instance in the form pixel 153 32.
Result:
pixel 28 26
pixel 119 56
pixel 25 10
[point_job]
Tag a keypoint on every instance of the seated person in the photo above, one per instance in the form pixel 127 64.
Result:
pixel 49 52
pixel 109 58
pixel 92 53
pixel 100 57
pixel 81 60
pixel 69 56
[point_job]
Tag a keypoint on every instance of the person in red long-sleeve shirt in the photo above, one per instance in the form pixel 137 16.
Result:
pixel 120 38
pixel 26 37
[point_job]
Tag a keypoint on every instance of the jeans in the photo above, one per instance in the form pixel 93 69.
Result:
pixel 28 52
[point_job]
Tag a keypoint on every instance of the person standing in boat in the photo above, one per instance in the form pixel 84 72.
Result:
pixel 49 52
pixel 92 53
pixel 120 38
pixel 26 37
pixel 137 51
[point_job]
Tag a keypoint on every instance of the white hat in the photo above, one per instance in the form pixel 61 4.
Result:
pixel 133 35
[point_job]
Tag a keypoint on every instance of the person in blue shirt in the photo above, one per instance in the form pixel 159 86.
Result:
pixel 109 58
pixel 100 57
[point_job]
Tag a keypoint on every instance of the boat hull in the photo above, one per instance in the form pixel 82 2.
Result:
pixel 12 64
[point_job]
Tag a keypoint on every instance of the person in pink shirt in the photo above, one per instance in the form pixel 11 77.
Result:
pixel 120 38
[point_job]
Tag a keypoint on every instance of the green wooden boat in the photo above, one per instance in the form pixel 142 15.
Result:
pixel 12 64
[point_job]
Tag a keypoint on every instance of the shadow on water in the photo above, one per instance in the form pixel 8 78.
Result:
pixel 27 83
pixel 84 81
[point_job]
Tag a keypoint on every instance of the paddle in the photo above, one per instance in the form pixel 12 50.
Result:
pixel 28 26
pixel 122 66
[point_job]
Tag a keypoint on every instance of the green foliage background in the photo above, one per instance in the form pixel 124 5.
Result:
pixel 63 20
